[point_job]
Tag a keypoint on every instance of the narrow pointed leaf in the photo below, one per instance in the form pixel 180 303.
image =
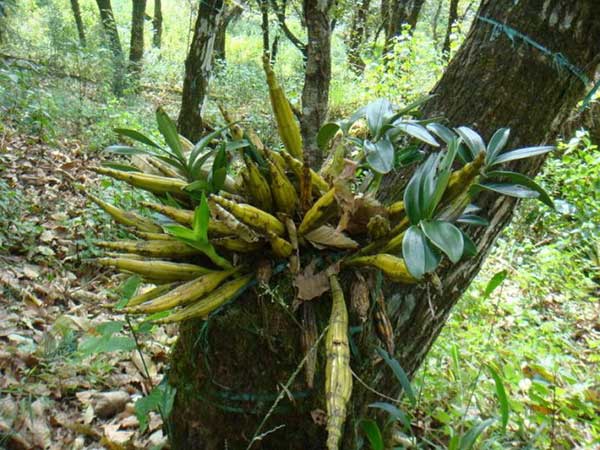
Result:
pixel 467 441
pixel 169 131
pixel 417 131
pixel 400 374
pixel 441 131
pixel 473 219
pixel 512 190
pixel 127 150
pixel 472 139
pixel 523 180
pixel 497 143
pixel 373 433
pixel 411 106
pixel 393 411
pixel 137 136
pixel 521 153
pixel 501 395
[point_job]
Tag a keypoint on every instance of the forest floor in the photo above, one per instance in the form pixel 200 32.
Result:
pixel 58 387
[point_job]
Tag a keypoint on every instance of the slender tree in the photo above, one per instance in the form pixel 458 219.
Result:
pixel 78 21
pixel 400 12
pixel 452 16
pixel 112 34
pixel 231 14
pixel 157 21
pixel 198 68
pixel 317 76
pixel 356 36
pixel 227 370
pixel 136 49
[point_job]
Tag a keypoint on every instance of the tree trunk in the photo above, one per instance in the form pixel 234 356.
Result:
pixel 356 36
pixel 78 21
pixel 317 76
pixel 452 16
pixel 227 369
pixel 110 29
pixel 136 49
pixel 198 69
pixel 231 15
pixel 401 12
pixel 157 20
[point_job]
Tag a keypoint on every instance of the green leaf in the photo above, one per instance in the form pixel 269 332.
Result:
pixel 521 153
pixel 180 232
pixel 160 400
pixel 202 144
pixel 106 344
pixel 442 176
pixel 377 113
pixel 393 411
pixel 137 136
pixel 326 133
pixel 408 108
pixel 467 441
pixel 441 131
pixel 494 282
pixel 373 433
pixel 196 167
pixel 127 150
pixel 512 190
pixel 523 180
pixel 502 397
pixel 234 145
pixel 380 155
pixel 446 237
pixel 411 197
pixel 347 124
pixel 400 374
pixel 417 131
pixel 128 290
pixel 219 169
pixel 497 143
pixel 201 218
pixel 420 258
pixel 472 140
pixel 198 186
pixel 473 219
pixel 169 131
pixel 469 245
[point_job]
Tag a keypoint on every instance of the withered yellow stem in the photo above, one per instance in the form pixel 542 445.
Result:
pixel 151 294
pixel 186 217
pixel 156 249
pixel 154 269
pixel 282 189
pixel 391 266
pixel 184 294
pixel 126 218
pixel 338 375
pixel 203 307
pixel 251 216
pixel 152 183
pixel 296 166
pixel 319 213
pixel 238 245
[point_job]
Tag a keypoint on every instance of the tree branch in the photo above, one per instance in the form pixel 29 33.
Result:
pixel 280 15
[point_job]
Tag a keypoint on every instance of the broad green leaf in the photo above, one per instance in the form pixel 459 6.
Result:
pixel 494 282
pixel 441 131
pixel 106 344
pixel 393 411
pixel 169 131
pixel 128 290
pixel 512 190
pixel 497 143
pixel 521 153
pixel 411 197
pixel 417 131
pixel 196 168
pixel 472 139
pixel 377 112
pixel 464 154
pixel 373 433
pixel 137 136
pixel 219 169
pixel 502 397
pixel 326 133
pixel 201 219
pixel 446 237
pixel 160 400
pixel 467 441
pixel 203 143
pixel 470 247
pixel 380 155
pixel 473 219
pixel 400 374
pixel 523 180
pixel 420 258
pixel 127 150
pixel 180 232
pixel 429 181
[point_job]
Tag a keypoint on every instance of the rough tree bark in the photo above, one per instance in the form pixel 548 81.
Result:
pixel 136 48
pixel 198 68
pixel 401 12
pixel 228 369
pixel 317 76
pixel 356 36
pixel 112 33
pixel 231 14
pixel 452 16
pixel 78 21
pixel 157 21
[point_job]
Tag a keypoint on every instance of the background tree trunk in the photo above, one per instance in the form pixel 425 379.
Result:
pixel 136 49
pixel 315 94
pixel 112 33
pixel 198 68
pixel 452 16
pixel 401 12
pixel 226 369
pixel 356 36
pixel 157 20
pixel 78 21
pixel 231 15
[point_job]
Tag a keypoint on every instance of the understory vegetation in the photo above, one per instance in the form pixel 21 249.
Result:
pixel 522 347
